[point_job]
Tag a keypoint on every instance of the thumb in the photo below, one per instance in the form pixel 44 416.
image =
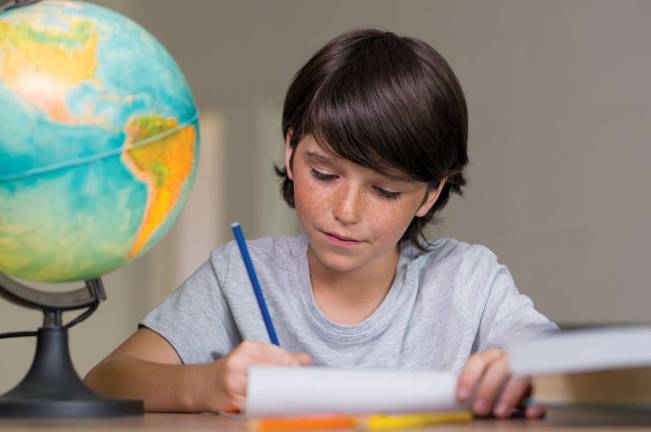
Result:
pixel 304 359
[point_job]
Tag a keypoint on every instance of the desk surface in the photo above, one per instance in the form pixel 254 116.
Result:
pixel 215 423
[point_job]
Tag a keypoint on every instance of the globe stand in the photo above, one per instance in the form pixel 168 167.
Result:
pixel 16 4
pixel 52 387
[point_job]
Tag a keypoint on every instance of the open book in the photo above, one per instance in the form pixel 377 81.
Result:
pixel 274 391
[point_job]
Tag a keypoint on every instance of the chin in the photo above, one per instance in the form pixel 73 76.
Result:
pixel 337 262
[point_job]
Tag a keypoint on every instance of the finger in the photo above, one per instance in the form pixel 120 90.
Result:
pixel 237 362
pixel 535 412
pixel 496 375
pixel 235 382
pixel 235 405
pixel 472 372
pixel 231 391
pixel 516 388
pixel 304 359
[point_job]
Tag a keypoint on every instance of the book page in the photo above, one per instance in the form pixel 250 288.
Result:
pixel 296 391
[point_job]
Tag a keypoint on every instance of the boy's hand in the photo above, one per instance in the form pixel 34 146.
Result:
pixel 226 390
pixel 487 376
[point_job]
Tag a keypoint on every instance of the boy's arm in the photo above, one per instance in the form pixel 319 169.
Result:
pixel 147 367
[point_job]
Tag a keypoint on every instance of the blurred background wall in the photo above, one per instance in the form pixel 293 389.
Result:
pixel 560 119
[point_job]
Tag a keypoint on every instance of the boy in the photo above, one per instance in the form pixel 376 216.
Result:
pixel 375 129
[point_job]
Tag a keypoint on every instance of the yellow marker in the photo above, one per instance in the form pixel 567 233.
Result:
pixel 389 422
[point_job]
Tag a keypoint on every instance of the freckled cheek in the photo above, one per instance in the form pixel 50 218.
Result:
pixel 307 202
pixel 392 223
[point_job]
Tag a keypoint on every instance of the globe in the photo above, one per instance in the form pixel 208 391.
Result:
pixel 99 141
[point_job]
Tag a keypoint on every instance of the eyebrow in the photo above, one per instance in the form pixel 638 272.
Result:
pixel 320 158
pixel 332 161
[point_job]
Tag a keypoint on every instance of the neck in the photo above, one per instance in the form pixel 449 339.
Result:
pixel 348 297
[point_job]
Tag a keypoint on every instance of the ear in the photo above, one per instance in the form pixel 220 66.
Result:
pixel 288 155
pixel 430 198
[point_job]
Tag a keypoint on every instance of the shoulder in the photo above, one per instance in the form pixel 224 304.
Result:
pixel 458 277
pixel 454 254
pixel 461 270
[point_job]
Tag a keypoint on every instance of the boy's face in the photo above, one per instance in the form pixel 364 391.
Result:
pixel 352 216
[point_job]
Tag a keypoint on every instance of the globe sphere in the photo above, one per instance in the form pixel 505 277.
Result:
pixel 99 141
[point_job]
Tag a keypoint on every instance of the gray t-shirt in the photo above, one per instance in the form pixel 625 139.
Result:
pixel 443 305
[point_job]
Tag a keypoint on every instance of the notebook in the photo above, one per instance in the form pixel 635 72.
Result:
pixel 274 391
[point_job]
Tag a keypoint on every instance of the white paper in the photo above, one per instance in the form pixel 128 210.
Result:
pixel 311 390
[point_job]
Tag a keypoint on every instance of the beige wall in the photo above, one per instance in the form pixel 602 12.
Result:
pixel 560 120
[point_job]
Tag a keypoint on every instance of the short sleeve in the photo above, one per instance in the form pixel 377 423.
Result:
pixel 507 315
pixel 195 319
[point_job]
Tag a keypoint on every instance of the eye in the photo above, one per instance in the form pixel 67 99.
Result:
pixel 322 176
pixel 387 194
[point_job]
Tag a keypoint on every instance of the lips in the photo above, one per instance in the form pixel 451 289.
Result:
pixel 341 237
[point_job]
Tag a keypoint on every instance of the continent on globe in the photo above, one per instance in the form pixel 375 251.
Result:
pixel 164 165
pixel 42 65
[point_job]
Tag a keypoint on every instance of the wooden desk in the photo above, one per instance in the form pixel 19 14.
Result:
pixel 215 423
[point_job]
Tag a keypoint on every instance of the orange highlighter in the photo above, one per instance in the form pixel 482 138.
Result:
pixel 273 424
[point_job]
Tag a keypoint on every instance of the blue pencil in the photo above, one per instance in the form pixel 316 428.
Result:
pixel 248 263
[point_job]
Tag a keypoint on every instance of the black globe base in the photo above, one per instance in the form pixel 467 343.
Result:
pixel 10 407
pixel 52 388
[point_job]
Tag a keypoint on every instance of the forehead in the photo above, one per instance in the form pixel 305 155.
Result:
pixel 314 151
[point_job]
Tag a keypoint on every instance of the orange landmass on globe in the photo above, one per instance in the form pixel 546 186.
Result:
pixel 41 65
pixel 164 164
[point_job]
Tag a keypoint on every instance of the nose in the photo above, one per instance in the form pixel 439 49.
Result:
pixel 349 204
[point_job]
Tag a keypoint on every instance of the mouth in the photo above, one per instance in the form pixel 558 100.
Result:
pixel 341 240
pixel 341 237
